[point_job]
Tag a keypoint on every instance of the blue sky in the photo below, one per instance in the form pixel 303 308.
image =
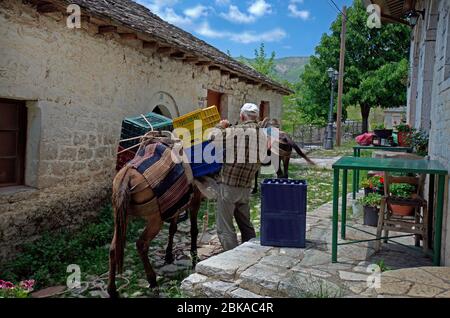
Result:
pixel 288 27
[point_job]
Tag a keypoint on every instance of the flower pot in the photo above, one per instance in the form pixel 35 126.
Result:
pixel 371 216
pixel 383 133
pixel 402 210
pixel 404 138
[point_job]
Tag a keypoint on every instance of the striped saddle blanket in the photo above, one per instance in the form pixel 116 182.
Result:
pixel 171 182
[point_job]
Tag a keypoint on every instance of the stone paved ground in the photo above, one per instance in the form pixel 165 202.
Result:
pixel 253 271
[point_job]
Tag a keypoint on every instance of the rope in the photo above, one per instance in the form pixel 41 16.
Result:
pixel 151 126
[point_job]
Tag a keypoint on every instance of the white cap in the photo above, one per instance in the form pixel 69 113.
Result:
pixel 250 108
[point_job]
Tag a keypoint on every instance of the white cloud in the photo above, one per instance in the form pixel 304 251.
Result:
pixel 245 37
pixel 164 9
pixel 296 12
pixel 260 8
pixel 206 30
pixel 236 16
pixel 196 12
pixel 222 2
pixel 171 16
pixel 274 35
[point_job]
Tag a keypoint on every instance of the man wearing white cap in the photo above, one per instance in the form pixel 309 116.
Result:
pixel 237 181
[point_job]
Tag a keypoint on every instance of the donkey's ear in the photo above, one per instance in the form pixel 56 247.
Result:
pixel 265 122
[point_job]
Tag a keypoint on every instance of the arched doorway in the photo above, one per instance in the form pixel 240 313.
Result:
pixel 163 103
pixel 162 110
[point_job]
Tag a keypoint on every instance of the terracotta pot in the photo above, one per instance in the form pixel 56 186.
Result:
pixel 402 210
pixel 404 138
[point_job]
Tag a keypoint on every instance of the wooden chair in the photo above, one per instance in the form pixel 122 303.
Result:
pixel 416 224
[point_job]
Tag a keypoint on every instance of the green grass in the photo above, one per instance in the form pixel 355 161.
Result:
pixel 345 150
pixel 46 260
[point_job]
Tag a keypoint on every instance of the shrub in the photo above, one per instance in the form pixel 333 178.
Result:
pixel 402 190
pixel 379 127
pixel 46 260
pixel 403 128
pixel 372 200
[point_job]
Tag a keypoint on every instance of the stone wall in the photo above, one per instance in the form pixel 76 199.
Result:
pixel 79 85
pixel 422 66
pixel 440 108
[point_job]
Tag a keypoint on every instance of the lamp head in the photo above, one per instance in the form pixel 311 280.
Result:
pixel 331 72
pixel 413 16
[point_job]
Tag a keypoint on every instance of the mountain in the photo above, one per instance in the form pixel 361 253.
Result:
pixel 287 68
pixel 290 68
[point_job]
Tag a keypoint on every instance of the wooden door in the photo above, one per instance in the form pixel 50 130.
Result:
pixel 13 115
pixel 264 110
pixel 214 100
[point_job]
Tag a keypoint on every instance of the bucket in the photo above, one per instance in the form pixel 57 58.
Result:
pixel 371 216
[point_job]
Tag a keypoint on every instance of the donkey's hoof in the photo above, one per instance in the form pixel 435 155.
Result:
pixel 113 294
pixel 153 291
pixel 169 259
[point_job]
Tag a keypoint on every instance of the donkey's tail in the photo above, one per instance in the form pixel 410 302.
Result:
pixel 121 202
pixel 301 154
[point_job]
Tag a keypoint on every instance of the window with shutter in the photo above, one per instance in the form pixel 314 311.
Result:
pixel 13 116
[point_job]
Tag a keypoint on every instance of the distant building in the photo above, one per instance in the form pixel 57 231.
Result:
pixel 64 93
pixel 394 116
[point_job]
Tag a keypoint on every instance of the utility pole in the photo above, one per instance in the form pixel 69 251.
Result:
pixel 341 78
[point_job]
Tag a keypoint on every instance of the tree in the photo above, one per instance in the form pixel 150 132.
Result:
pixel 375 72
pixel 262 63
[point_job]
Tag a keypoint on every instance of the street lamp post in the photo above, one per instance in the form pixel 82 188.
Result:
pixel 333 74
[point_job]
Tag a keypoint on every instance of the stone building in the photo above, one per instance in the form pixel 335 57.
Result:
pixel 64 92
pixel 429 78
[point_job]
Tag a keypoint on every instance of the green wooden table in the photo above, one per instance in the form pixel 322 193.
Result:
pixel 357 153
pixel 431 167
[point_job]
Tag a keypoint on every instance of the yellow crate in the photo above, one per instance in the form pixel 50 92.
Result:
pixel 210 117
pixel 188 119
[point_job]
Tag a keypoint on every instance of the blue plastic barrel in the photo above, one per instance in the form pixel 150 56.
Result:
pixel 283 213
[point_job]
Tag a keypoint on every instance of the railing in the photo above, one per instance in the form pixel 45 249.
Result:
pixel 309 135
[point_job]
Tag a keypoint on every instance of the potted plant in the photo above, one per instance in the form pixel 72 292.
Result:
pixel 371 204
pixel 419 141
pixel 404 135
pixel 402 193
pixel 366 186
pixel 381 132
pixel 377 184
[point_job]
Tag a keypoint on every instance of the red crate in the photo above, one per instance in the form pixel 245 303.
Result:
pixel 124 157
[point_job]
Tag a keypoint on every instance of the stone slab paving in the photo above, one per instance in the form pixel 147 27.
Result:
pixel 254 271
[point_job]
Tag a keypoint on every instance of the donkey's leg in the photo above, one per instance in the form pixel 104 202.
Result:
pixel 112 289
pixel 255 188
pixel 279 171
pixel 286 166
pixel 172 230
pixel 193 213
pixel 142 246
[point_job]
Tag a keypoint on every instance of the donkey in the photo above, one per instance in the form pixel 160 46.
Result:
pixel 286 145
pixel 133 197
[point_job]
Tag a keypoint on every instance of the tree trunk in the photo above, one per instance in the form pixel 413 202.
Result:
pixel 365 112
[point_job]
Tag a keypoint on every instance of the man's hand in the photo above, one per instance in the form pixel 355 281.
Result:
pixel 224 123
